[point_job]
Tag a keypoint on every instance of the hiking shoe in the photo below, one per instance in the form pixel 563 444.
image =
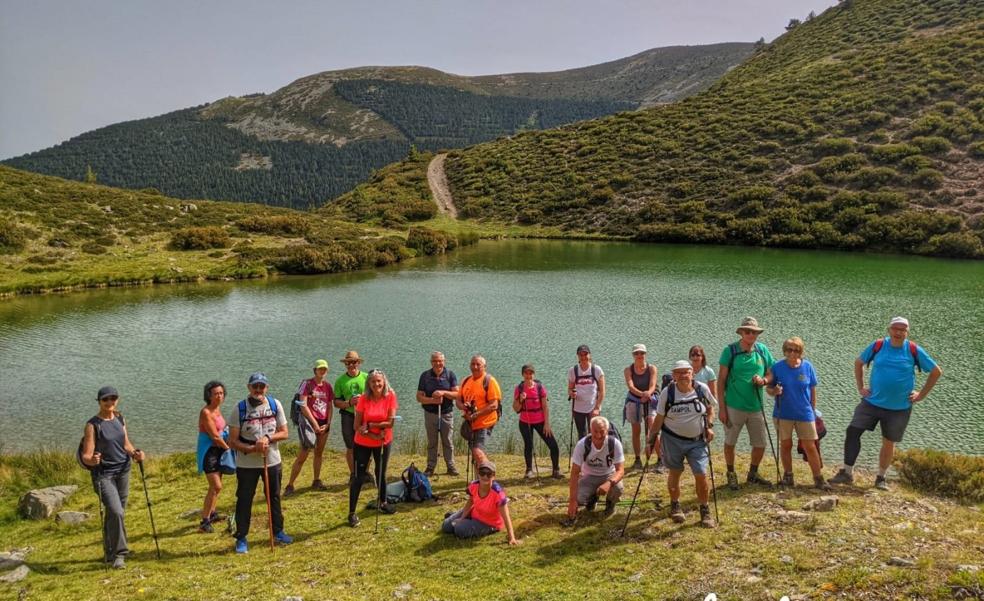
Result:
pixel 881 483
pixel 821 484
pixel 429 472
pixel 453 471
pixel 637 464
pixel 119 563
pixel 556 475
pixel 387 508
pixel 787 480
pixel 288 491
pixel 756 478
pixel 205 526
pixel 283 538
pixel 610 508
pixel 215 517
pixel 529 475
pixel 241 546
pixel 592 503
pixel 353 520
pixel 705 517
pixel 660 468
pixel 733 481
pixel 676 512
pixel 448 514
pixel 842 477
pixel 318 485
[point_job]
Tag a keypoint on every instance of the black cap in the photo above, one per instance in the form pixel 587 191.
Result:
pixel 583 349
pixel 106 391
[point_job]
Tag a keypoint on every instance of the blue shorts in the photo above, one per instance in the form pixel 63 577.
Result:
pixel 675 449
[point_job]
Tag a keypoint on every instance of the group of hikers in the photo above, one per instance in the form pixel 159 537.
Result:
pixel 678 415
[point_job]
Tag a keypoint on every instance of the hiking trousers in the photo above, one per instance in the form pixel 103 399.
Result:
pixel 444 433
pixel 465 527
pixel 113 491
pixel 380 455
pixel 246 481
pixel 527 431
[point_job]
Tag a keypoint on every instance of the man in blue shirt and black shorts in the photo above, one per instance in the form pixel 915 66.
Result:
pixel 888 398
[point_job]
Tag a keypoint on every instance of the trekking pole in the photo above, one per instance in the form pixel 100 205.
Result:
pixel 638 486
pixel 266 492
pixel 570 441
pixel 710 467
pixel 102 522
pixel 150 512
pixel 768 432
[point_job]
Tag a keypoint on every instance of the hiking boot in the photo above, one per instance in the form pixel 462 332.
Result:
pixel 676 512
pixel 820 483
pixel 288 491
pixel 241 546
pixel 756 478
pixel 318 485
pixel 592 503
pixel 283 538
pixel 453 471
pixel 387 508
pixel 733 481
pixel 429 472
pixel 215 517
pixel 787 480
pixel 353 520
pixel 637 464
pixel 881 483
pixel 705 517
pixel 205 526
pixel 529 475
pixel 556 475
pixel 610 508
pixel 660 468
pixel 842 477
pixel 119 563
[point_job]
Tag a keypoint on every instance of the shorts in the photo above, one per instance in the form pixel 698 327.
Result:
pixel 479 438
pixel 804 430
pixel 675 449
pixel 348 429
pixel 739 419
pixel 893 422
pixel 587 487
pixel 210 464
pixel 635 413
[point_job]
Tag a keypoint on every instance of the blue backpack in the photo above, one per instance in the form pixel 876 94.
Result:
pixel 418 486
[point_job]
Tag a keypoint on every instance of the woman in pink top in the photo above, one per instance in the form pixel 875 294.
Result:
pixel 375 413
pixel 211 445
pixel 530 402
pixel 486 510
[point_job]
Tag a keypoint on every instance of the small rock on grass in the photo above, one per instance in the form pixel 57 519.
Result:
pixel 401 591
pixel 72 517
pixel 824 503
pixel 16 575
pixel 12 559
pixel 968 568
pixel 901 562
pixel 635 577
pixel 293 598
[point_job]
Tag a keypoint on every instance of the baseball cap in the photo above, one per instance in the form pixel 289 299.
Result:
pixel 257 378
pixel 106 391
pixel 583 349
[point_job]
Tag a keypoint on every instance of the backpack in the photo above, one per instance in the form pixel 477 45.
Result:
pixel 671 400
pixel 96 423
pixel 418 486
pixel 295 404
pixel 539 392
pixel 485 386
pixel 666 381
pixel 912 350
pixel 613 434
pixel 242 411
pixel 736 350
pixel 591 374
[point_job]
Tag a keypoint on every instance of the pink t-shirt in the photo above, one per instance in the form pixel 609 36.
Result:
pixel 219 422
pixel 319 398
pixel 532 413
pixel 487 510
pixel 375 411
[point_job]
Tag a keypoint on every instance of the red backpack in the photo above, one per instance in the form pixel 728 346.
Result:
pixel 881 343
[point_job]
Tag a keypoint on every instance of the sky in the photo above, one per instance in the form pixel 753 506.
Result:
pixel 67 67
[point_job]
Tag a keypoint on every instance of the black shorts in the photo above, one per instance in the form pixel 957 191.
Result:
pixel 210 464
pixel 893 422
pixel 348 429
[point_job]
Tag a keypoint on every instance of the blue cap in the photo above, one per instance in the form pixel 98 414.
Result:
pixel 257 378
pixel 106 391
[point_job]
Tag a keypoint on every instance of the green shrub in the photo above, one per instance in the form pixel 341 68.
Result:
pixel 932 144
pixel 959 245
pixel 199 238
pixel 284 225
pixel 13 237
pixel 873 177
pixel 311 260
pixel 944 474
pixel 927 178
pixel 833 146
pixel 427 241
pixel 916 162
pixel 93 248
pixel 892 153
pixel 976 150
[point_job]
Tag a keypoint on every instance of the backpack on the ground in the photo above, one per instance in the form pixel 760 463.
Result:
pixel 881 343
pixel 613 435
pixel 418 486
pixel 96 424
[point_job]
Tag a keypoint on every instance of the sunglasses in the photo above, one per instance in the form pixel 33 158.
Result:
pixel 350 362
pixel 485 473
pixel 696 354
pixel 109 399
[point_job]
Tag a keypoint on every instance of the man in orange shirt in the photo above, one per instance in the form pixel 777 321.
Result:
pixel 478 399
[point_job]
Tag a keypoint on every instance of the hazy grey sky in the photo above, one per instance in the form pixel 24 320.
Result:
pixel 69 66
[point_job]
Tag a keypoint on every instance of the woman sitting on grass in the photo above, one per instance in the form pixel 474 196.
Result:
pixel 211 444
pixel 486 510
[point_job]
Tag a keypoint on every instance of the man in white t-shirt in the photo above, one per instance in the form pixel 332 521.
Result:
pixel 586 386
pixel 598 466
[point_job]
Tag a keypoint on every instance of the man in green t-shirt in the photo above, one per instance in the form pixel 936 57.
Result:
pixel 348 386
pixel 744 369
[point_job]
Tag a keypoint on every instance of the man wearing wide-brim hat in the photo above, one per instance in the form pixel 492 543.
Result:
pixel 743 371
pixel 348 387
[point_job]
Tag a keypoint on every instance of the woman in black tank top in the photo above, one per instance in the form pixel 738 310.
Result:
pixel 640 379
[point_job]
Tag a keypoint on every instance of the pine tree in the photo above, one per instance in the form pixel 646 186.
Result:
pixel 90 175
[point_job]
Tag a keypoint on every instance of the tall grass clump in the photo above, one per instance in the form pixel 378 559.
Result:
pixel 199 238
pixel 944 474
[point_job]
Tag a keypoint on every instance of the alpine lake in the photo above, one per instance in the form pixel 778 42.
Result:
pixel 513 301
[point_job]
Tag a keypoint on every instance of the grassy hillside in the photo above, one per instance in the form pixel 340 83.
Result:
pixel 862 128
pixel 57 234
pixel 759 552
pixel 323 134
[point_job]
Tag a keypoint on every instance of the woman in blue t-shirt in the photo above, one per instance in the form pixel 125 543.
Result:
pixel 794 385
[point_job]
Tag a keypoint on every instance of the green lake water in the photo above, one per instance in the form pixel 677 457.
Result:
pixel 514 302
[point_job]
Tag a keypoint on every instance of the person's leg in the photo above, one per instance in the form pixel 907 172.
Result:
pixel 587 488
pixel 295 469
pixel 246 480
pixel 319 456
pixel 212 496
pixel 700 483
pixel 479 440
pixel 885 456
pixel 469 528
pixel 348 437
pixel 431 427
pixel 361 457
pixel 893 425
pixel 736 423
pixel 275 474
pixel 447 527
pixel 615 492
pixel 636 435
pixel 758 437
pixel 447 443
pixel 381 457
pixel 806 434
pixel 866 417
pixel 526 431
pixel 113 489
pixel 673 484
pixel 552 445
pixel 699 461
pixel 581 423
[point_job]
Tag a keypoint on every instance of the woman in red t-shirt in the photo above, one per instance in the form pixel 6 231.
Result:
pixel 374 415
pixel 486 510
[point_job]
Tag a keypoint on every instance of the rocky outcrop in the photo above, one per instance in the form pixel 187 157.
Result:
pixel 42 503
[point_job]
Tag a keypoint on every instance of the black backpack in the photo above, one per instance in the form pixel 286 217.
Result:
pixel 666 381
pixel 295 403
pixel 613 435
pixel 671 400
pixel 96 422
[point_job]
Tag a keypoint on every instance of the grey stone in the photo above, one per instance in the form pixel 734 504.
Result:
pixel 43 503
pixel 12 559
pixel 824 503
pixel 786 559
pixel 968 568
pixel 16 575
pixel 72 517
pixel 293 598
pixel 901 562
pixel 793 516
pixel 635 577
pixel 401 591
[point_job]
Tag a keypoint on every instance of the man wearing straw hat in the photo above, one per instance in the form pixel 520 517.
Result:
pixel 348 387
